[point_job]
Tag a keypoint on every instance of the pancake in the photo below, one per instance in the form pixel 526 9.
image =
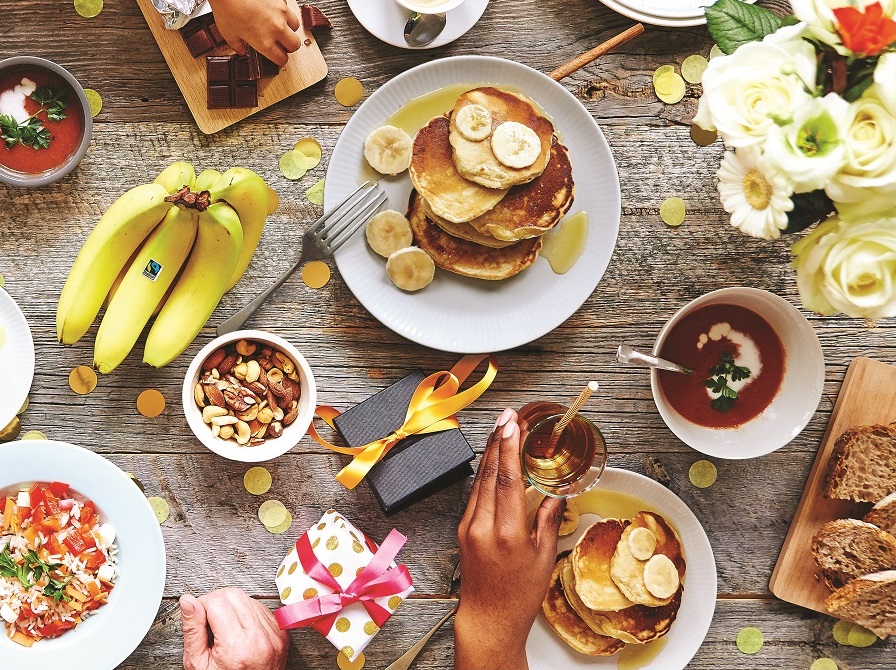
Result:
pixel 640 624
pixel 590 561
pixel 434 175
pixel 567 624
pixel 462 230
pixel 568 581
pixel 468 258
pixel 532 209
pixel 476 161
pixel 628 572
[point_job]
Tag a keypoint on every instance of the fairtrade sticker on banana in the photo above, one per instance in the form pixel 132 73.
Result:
pixel 171 249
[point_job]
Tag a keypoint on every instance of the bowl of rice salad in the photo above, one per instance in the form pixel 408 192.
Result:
pixel 82 561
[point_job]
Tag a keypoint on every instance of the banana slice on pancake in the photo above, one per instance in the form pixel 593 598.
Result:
pixel 642 543
pixel 628 572
pixel 387 232
pixel 515 145
pixel 388 150
pixel 661 576
pixel 474 122
pixel 410 269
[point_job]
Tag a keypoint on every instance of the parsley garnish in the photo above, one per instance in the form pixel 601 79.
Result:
pixel 32 570
pixel 718 382
pixel 31 132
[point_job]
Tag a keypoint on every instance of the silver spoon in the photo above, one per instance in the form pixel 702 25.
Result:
pixel 422 29
pixel 631 356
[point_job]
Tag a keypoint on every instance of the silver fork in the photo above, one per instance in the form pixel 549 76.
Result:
pixel 320 241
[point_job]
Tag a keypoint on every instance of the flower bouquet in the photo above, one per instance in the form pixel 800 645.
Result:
pixel 807 106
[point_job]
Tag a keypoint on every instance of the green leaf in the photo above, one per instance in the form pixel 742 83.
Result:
pixel 733 23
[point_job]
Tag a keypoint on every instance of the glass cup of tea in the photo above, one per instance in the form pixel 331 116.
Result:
pixel 560 466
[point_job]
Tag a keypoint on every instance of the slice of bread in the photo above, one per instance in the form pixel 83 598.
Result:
pixel 883 514
pixel 863 464
pixel 848 548
pixel 869 601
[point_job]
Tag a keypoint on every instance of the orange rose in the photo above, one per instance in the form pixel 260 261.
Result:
pixel 867 33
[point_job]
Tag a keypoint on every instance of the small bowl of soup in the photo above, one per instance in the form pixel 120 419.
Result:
pixel 757 373
pixel 45 121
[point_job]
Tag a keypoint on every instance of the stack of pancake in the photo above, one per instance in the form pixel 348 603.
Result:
pixel 473 214
pixel 606 592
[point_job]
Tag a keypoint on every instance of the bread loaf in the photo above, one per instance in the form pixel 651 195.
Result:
pixel 863 464
pixel 869 601
pixel 848 548
pixel 883 514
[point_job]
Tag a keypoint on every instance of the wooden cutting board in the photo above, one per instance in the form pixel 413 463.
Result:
pixel 305 67
pixel 868 396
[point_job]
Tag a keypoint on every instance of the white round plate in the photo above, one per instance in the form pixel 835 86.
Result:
pixel 668 13
pixel 16 358
pixel 385 20
pixel 460 314
pixel 113 632
pixel 546 651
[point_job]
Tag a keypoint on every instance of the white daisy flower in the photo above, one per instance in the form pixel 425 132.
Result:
pixel 754 193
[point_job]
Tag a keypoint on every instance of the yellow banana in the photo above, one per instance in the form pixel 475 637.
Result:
pixel 143 287
pixel 273 200
pixel 115 237
pixel 176 176
pixel 206 179
pixel 204 279
pixel 248 194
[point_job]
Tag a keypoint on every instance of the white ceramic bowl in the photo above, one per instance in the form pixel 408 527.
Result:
pixel 272 447
pixel 796 401
pixel 108 637
pixel 445 6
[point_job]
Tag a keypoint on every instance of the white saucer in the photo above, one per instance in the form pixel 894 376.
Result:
pixel 385 19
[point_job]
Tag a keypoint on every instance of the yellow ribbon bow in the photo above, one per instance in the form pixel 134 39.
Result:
pixel 432 409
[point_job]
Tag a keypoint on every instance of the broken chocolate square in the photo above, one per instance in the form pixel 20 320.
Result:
pixel 313 18
pixel 260 66
pixel 201 35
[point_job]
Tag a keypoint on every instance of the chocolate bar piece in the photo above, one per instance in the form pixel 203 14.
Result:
pixel 229 85
pixel 260 66
pixel 201 35
pixel 313 18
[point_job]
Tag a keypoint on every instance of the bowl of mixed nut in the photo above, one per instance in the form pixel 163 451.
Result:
pixel 249 396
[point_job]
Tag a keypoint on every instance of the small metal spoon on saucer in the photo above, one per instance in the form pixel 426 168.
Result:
pixel 423 29
pixel 631 356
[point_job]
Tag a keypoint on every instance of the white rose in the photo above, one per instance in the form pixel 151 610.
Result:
pixel 810 149
pixel 849 268
pixel 870 153
pixel 745 92
pixel 874 204
pixel 819 17
pixel 885 81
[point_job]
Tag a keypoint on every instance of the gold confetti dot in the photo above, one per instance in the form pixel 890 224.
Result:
pixel 703 474
pixel 715 51
pixel 160 508
pixel 280 571
pixel 257 480
pixel 349 92
pixel 310 147
pixel 292 165
pixel 824 664
pixel 12 430
pixel 88 8
pixel 348 652
pixel 315 194
pixel 357 547
pixel 315 274
pixel 394 602
pixel 750 640
pixel 335 569
pixel 24 407
pixel 661 70
pixel 94 100
pixel 315 543
pixel 703 137
pixel 370 628
pixel 859 636
pixel 672 211
pixel 342 624
pixel 841 632
pixel 359 571
pixel 283 527
pixel 286 593
pixel 332 542
pixel 34 435
pixel 308 594
pixel 292 568
pixel 321 526
pixel 150 403
pixel 331 511
pixel 345 664
pixel 272 513
pixel 670 87
pixel 2 280
pixel 693 67
pixel 82 380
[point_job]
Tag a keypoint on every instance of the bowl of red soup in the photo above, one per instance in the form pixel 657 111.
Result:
pixel 45 121
pixel 757 373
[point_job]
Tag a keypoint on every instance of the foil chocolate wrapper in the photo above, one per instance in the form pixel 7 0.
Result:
pixel 177 12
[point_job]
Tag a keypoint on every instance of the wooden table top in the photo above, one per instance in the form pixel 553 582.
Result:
pixel 213 537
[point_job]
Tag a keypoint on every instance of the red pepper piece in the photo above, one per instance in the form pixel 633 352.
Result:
pixel 58 489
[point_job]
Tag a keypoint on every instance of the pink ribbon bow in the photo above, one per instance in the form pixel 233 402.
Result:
pixel 374 581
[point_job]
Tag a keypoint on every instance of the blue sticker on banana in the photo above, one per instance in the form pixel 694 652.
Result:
pixel 152 270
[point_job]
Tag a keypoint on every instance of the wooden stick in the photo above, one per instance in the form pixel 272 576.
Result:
pixel 580 61
pixel 572 411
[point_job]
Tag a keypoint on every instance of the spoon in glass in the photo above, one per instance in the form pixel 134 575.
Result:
pixel 422 29
pixel 631 356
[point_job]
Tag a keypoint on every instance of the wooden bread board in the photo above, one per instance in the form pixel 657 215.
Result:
pixel 868 396
pixel 305 67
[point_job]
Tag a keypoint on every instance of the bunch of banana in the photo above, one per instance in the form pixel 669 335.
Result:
pixel 169 249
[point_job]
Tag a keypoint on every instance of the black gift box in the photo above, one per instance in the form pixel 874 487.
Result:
pixel 417 466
